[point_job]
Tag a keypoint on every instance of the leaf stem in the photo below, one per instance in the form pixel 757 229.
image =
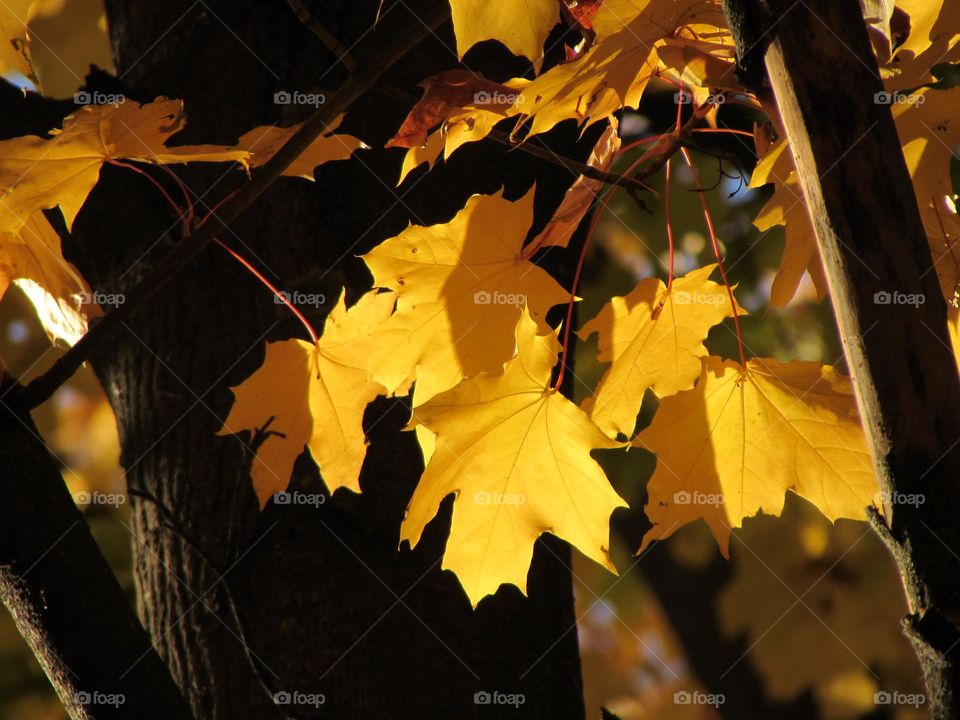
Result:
pixel 716 252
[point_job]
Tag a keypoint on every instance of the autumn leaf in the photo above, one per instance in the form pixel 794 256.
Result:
pixel 580 196
pixel 732 446
pixel 521 26
pixel 610 75
pixel 426 153
pixel 516 454
pixel 654 338
pixel 460 287
pixel 933 37
pixel 263 143
pixel 313 395
pixel 31 259
pixel 15 38
pixel 442 94
pixel 38 173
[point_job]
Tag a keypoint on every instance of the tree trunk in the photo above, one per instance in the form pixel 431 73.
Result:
pixel 317 601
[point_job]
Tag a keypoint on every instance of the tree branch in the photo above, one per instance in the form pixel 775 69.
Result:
pixel 64 597
pixel 871 236
pixel 44 386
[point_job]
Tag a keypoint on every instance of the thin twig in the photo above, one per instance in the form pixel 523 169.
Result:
pixel 184 253
pixel 311 23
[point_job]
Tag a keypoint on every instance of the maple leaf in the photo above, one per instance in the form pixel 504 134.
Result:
pixel 14 37
pixel 932 38
pixel 442 94
pixel 31 258
pixel 521 26
pixel 927 131
pixel 610 75
pixel 263 143
pixel 654 338
pixel 460 286
pixel 732 446
pixel 580 196
pixel 38 173
pixel 517 455
pixel 313 395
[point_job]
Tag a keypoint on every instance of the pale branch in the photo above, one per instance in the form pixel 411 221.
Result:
pixel 871 237
pixel 62 594
pixel 190 247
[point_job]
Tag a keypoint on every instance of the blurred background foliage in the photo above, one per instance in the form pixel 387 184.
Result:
pixel 816 606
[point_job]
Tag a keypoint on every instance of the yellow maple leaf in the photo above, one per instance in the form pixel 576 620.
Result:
pixel 38 173
pixel 31 258
pixel 263 142
pixel 313 395
pixel 928 126
pixel 521 25
pixel 928 130
pixel 517 455
pixel 460 286
pixel 733 445
pixel 610 75
pixel 654 338
pixel 15 38
pixel 933 37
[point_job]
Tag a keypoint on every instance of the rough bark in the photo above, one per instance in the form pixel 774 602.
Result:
pixel 318 601
pixel 871 238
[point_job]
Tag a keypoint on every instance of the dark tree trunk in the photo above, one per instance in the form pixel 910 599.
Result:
pixel 243 604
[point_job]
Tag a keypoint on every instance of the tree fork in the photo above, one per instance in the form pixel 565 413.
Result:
pixel 824 75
